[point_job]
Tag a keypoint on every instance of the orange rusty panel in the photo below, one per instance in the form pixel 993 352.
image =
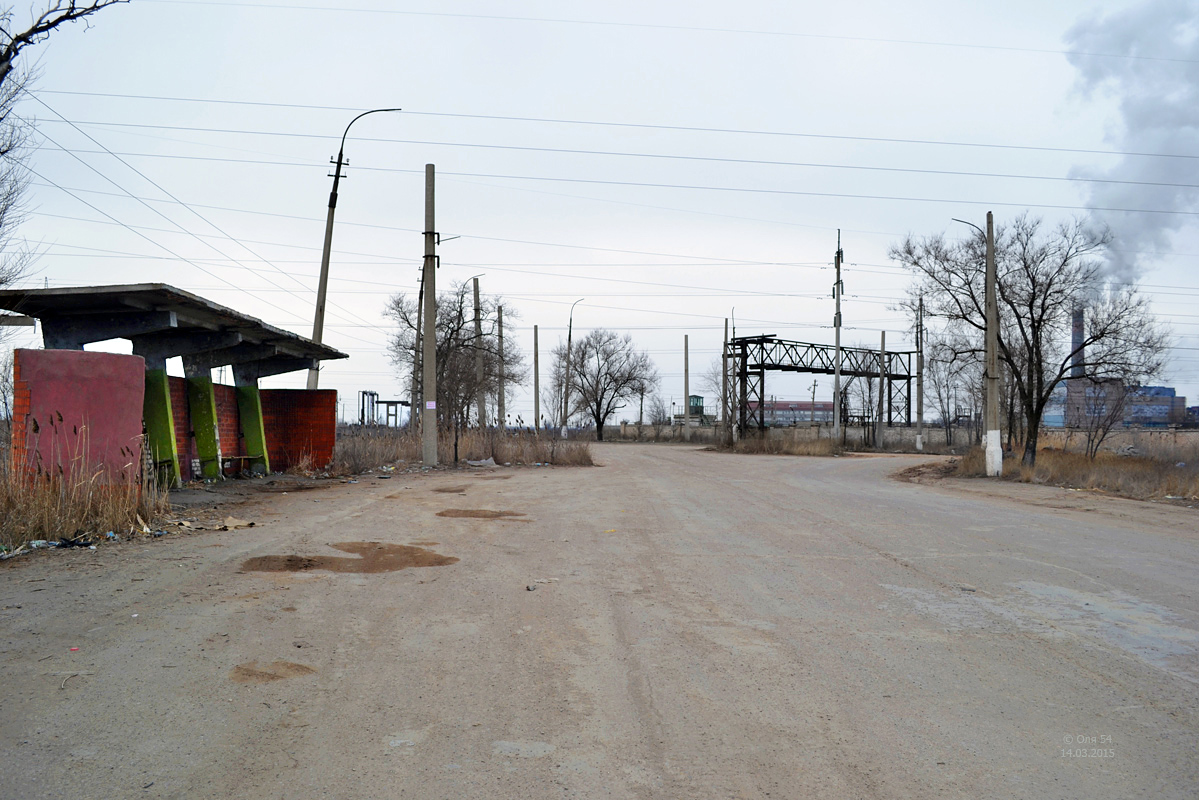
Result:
pixel 299 422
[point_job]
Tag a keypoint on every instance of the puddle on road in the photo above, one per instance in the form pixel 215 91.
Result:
pixel 451 489
pixel 279 670
pixel 478 513
pixel 375 557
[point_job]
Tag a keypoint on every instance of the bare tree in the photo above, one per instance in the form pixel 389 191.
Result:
pixel 14 131
pixel 659 415
pixel 606 371
pixel 1104 404
pixel 457 378
pixel 1042 276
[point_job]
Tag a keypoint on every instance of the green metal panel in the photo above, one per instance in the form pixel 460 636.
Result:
pixel 201 401
pixel 249 408
pixel 160 426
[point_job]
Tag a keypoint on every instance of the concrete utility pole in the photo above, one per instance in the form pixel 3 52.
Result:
pixel 318 323
pixel 686 389
pixel 812 410
pixel 570 327
pixel 480 400
pixel 536 385
pixel 414 406
pixel 994 447
pixel 838 288
pixel 920 375
pixel 726 430
pixel 499 401
pixel 429 357
pixel 882 389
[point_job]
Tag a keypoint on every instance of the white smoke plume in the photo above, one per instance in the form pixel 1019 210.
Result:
pixel 1157 86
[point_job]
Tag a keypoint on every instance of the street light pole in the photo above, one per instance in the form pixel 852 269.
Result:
pixel 318 323
pixel 994 454
pixel 566 384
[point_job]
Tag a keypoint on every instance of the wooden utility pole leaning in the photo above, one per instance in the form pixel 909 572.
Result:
pixel 429 356
pixel 686 388
pixel 480 399
pixel 837 289
pixel 536 385
pixel 920 375
pixel 994 453
pixel 882 389
pixel 501 416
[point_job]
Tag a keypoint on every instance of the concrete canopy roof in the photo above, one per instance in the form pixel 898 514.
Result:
pixel 164 322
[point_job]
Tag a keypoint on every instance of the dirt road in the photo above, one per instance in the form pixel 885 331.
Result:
pixel 701 625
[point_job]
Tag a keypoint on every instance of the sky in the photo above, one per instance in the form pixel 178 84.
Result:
pixel 673 164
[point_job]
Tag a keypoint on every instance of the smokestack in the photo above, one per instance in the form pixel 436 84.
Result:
pixel 1077 337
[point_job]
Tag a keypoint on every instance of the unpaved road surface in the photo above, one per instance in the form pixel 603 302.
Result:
pixel 702 625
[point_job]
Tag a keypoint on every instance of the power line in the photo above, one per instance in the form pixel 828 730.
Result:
pixel 623 154
pixel 694 187
pixel 647 126
pixel 683 28
pixel 175 199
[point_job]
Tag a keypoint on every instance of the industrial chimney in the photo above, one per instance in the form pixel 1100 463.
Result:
pixel 1077 337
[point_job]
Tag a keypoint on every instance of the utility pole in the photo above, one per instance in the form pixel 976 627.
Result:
pixel 838 288
pixel 570 327
pixel 812 409
pixel 920 375
pixel 429 356
pixel 414 401
pixel 727 430
pixel 499 402
pixel 994 447
pixel 318 323
pixel 686 389
pixel 882 388
pixel 536 385
pixel 480 401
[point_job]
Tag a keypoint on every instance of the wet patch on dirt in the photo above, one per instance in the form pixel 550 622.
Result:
pixel 451 489
pixel 495 477
pixel 374 557
pixel 277 671
pixel 477 513
pixel 423 544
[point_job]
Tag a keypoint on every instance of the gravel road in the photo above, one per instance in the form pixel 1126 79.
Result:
pixel 674 623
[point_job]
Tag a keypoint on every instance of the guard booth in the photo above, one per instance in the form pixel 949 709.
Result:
pixel 72 405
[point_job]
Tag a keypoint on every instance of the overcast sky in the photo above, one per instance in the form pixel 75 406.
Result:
pixel 627 153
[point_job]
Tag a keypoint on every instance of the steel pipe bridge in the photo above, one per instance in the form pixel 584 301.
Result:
pixel 756 355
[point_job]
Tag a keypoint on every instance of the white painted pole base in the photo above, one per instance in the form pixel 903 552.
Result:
pixel 919 443
pixel 994 455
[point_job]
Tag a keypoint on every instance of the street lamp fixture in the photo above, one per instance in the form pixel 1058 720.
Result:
pixel 318 323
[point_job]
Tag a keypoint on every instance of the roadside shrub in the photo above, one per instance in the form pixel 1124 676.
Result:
pixel 359 450
pixel 75 502
pixel 1138 477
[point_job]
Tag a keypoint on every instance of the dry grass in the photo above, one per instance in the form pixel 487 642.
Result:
pixel 359 450
pixel 1139 477
pixel 778 446
pixel 73 504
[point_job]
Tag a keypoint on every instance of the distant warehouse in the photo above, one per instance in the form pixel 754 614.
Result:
pixel 1077 401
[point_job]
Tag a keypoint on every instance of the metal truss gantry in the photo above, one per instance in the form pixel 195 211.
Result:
pixel 756 355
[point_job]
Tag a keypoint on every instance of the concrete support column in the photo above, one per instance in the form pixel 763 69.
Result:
pixel 160 424
pixel 201 402
pixel 253 430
